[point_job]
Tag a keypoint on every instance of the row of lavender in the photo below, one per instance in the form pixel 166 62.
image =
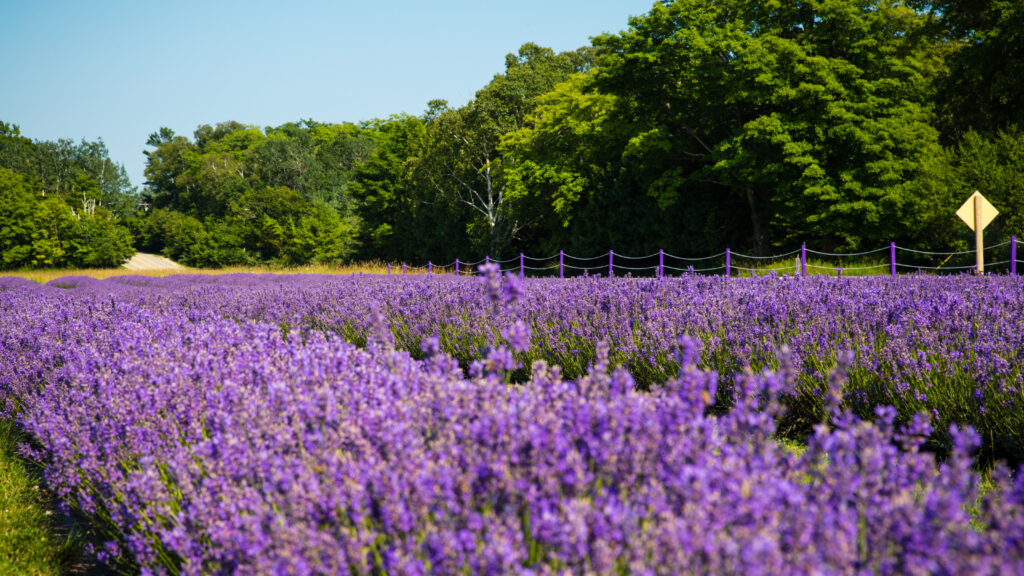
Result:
pixel 949 346
pixel 270 445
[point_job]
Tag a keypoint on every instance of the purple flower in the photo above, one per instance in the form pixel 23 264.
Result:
pixel 517 335
pixel 176 411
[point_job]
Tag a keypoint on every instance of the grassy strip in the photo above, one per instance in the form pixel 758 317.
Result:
pixel 43 276
pixel 857 266
pixel 29 540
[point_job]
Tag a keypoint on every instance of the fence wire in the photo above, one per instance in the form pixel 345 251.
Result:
pixel 916 267
pixel 851 254
pixel 936 253
pixel 582 258
pixel 844 268
pixel 618 267
pixel 777 256
pixel 551 264
pixel 692 269
pixel 719 255
pixel 636 257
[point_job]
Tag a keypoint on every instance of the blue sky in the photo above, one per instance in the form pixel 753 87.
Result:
pixel 120 70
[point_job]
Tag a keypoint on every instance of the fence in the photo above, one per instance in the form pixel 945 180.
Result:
pixel 727 259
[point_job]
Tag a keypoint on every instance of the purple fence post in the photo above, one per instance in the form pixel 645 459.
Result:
pixel 728 262
pixel 403 268
pixel 456 266
pixel 892 259
pixel 661 263
pixel 522 270
pixel 1013 255
pixel 430 267
pixel 487 260
pixel 611 256
pixel 389 268
pixel 561 264
pixel 803 259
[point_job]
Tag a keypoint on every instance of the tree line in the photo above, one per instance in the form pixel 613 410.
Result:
pixel 757 125
pixel 62 204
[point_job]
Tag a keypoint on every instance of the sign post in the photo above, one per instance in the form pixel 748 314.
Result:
pixel 978 213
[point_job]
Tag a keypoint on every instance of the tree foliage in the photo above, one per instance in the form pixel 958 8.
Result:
pixel 982 90
pixel 61 204
pixel 238 194
pixel 751 124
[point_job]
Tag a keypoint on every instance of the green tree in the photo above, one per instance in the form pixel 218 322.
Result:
pixel 321 237
pixel 78 173
pixel 37 231
pixel 247 195
pixel 560 158
pixel 264 216
pixel 285 158
pixel 814 112
pixel 178 236
pixel 167 183
pixel 17 153
pixel 383 185
pixel 992 165
pixel 982 91
pixel 463 164
pixel 109 244
pixel 200 178
pixel 17 207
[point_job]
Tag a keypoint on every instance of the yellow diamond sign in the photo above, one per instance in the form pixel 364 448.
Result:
pixel 977 209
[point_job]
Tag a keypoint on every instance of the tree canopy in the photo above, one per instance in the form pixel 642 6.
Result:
pixel 61 204
pixel 751 124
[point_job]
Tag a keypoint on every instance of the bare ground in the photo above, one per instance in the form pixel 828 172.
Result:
pixel 143 261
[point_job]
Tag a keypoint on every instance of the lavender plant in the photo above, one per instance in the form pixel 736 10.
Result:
pixel 212 441
pixel 950 346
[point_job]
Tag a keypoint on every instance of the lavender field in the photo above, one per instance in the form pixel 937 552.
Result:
pixel 245 424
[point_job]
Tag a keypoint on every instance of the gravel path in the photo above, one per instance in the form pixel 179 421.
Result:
pixel 142 261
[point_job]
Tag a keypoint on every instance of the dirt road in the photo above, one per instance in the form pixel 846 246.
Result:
pixel 142 261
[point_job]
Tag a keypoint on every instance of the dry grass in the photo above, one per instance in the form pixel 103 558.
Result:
pixel 372 267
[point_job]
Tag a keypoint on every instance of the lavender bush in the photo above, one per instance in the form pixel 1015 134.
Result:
pixel 949 346
pixel 225 425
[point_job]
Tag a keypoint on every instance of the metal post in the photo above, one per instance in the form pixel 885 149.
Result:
pixel 561 264
pixel 728 262
pixel 456 266
pixel 611 256
pixel 803 259
pixel 978 234
pixel 487 260
pixel 522 269
pixel 892 259
pixel 661 263
pixel 1013 255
